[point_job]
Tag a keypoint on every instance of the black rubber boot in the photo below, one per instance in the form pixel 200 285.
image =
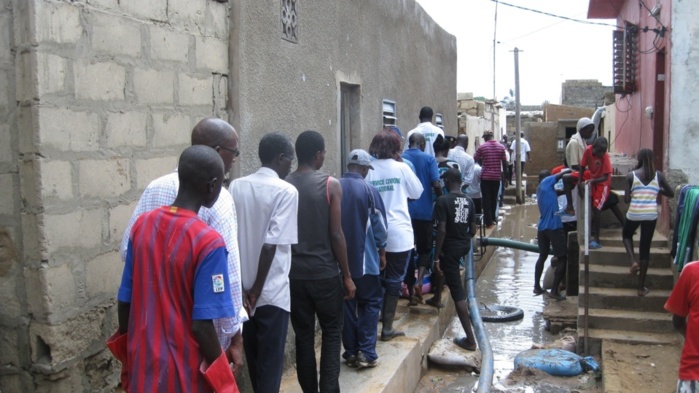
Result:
pixel 390 303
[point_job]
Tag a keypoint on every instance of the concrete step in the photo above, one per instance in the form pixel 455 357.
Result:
pixel 612 237
pixel 632 322
pixel 619 277
pixel 626 299
pixel 616 256
pixel 596 336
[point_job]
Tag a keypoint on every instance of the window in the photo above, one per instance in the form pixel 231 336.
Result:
pixel 389 113
pixel 289 19
pixel 625 59
pixel 439 120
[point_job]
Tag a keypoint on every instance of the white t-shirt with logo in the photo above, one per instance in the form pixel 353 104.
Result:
pixel 396 182
pixel 429 131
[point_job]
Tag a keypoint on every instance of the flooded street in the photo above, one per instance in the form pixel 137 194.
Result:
pixel 507 280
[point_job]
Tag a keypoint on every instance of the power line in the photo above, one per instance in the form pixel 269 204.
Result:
pixel 554 15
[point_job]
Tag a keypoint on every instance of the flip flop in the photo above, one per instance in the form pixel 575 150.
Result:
pixel 556 296
pixel 634 269
pixel 594 245
pixel 538 291
pixel 434 303
pixel 463 343
pixel 643 292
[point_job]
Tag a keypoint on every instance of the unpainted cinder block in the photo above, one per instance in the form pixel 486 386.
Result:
pixel 57 22
pixel 212 54
pixel 103 274
pixel 216 20
pixel 68 130
pixel 148 10
pixel 195 90
pixel 56 179
pixel 51 73
pixel 5 37
pixel 6 146
pixel 169 45
pixel 9 348
pixel 119 217
pixel 103 178
pixel 99 81
pixel 154 86
pixel 52 289
pixel 115 35
pixel 187 14
pixel 171 130
pixel 7 202
pixel 126 129
pixel 151 169
pixel 11 308
pixel 77 229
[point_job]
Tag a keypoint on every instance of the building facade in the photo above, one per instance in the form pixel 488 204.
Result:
pixel 99 97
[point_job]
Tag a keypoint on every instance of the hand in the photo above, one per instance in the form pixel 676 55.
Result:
pixel 234 353
pixel 251 301
pixel 382 262
pixel 350 289
pixel 437 267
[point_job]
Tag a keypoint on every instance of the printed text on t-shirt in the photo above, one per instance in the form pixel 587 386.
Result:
pixel 385 184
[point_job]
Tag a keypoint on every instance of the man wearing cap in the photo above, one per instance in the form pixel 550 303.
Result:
pixel 364 225
pixel 574 151
pixel 491 155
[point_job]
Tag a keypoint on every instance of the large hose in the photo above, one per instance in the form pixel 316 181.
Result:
pixel 485 380
pixel 493 241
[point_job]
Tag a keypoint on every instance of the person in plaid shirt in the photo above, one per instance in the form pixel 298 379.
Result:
pixel 221 136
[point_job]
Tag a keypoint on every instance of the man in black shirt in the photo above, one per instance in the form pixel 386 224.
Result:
pixel 454 213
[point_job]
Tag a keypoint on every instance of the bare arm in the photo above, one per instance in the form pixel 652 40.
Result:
pixel 437 187
pixel 337 237
pixel 264 264
pixel 205 335
pixel 627 187
pixel 665 188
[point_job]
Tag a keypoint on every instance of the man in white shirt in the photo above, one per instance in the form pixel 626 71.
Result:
pixel 465 161
pixel 221 136
pixel 524 150
pixel 427 129
pixel 267 209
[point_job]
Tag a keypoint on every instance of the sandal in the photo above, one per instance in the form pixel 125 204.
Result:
pixel 434 302
pixel 463 343
pixel 643 292
pixel 634 268
pixel 556 296
pixel 594 245
pixel 539 291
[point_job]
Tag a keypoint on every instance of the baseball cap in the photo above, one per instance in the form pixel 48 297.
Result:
pixel 583 122
pixel 360 157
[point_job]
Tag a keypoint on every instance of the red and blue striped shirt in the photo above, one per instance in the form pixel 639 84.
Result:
pixel 176 271
pixel 492 154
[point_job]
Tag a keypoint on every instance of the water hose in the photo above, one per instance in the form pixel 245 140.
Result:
pixel 485 380
pixel 493 241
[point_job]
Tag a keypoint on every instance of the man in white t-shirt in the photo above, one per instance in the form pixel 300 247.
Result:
pixel 465 161
pixel 267 210
pixel 396 183
pixel 524 150
pixel 427 129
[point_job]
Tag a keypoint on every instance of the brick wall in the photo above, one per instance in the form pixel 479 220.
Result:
pixel 100 98
pixel 584 93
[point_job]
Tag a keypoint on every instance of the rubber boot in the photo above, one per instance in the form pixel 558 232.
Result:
pixel 390 303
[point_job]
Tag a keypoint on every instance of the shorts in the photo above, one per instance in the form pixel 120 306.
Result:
pixel 599 193
pixel 555 238
pixel 687 386
pixel 449 262
pixel 422 231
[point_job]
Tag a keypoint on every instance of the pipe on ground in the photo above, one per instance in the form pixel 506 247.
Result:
pixel 485 380
pixel 494 241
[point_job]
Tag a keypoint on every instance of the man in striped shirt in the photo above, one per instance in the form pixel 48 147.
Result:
pixel 175 282
pixel 492 158
pixel 221 136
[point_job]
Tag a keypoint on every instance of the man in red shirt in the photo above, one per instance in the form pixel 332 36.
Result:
pixel 683 303
pixel 596 160
pixel 492 157
pixel 175 283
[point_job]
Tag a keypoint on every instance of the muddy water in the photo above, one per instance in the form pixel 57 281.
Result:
pixel 508 280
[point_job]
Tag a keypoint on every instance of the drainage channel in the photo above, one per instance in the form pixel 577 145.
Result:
pixel 507 280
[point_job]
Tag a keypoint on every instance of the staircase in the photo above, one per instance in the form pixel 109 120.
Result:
pixel 615 311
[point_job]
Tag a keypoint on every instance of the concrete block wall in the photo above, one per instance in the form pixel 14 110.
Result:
pixel 98 98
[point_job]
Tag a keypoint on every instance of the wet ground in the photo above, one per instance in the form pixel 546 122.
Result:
pixel 507 280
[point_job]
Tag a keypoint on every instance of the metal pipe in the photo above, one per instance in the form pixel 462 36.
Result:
pixel 485 380
pixel 586 261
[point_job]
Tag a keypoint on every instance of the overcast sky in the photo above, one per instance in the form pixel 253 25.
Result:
pixel 553 49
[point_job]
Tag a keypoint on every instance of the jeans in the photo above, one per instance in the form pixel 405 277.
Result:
pixel 322 298
pixel 264 336
pixel 362 317
pixel 394 273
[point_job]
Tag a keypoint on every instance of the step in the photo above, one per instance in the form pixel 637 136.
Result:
pixel 619 277
pixel 596 336
pixel 638 367
pixel 612 255
pixel 630 321
pixel 612 237
pixel 626 299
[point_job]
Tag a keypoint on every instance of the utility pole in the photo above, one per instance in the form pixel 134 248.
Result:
pixel 495 97
pixel 518 131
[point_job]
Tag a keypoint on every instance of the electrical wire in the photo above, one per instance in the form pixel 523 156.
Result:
pixel 556 16
pixel 621 128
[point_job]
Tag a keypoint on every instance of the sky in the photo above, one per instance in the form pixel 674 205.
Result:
pixel 552 50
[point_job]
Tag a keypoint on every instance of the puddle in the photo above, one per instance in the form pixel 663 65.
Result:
pixel 507 280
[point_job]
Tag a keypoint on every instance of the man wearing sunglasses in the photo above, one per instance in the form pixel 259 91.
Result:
pixel 220 136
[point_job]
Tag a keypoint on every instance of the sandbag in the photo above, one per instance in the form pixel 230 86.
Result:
pixel 552 361
pixel 445 352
